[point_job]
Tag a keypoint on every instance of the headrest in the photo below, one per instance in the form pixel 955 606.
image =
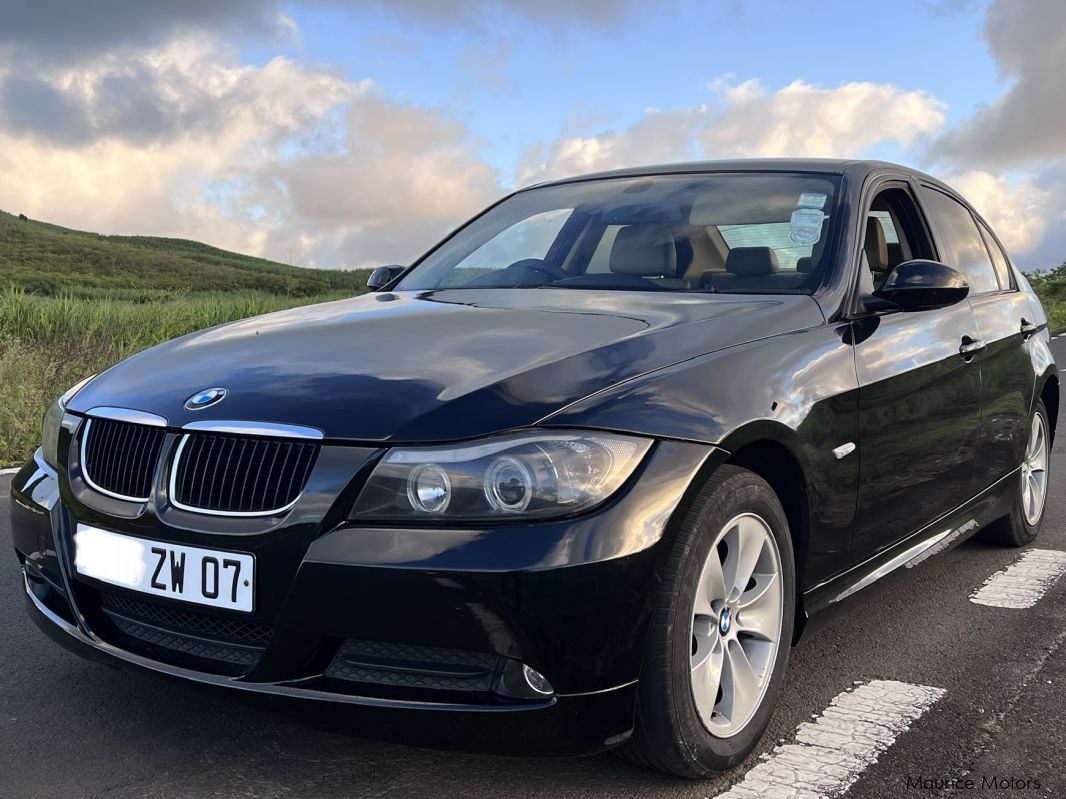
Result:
pixel 751 261
pixel 804 264
pixel 647 250
pixel 875 245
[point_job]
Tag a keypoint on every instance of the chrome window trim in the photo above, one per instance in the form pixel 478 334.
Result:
pixel 265 429
pixel 127 415
pixel 172 485
pixel 85 467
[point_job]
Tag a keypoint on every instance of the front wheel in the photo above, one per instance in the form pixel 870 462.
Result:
pixel 720 631
pixel 1022 524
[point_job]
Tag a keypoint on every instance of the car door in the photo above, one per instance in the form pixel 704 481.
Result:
pixel 1007 379
pixel 919 392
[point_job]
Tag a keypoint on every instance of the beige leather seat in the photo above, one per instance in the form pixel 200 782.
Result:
pixel 652 252
pixel 876 248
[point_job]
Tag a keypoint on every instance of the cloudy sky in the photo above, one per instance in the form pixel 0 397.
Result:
pixel 347 133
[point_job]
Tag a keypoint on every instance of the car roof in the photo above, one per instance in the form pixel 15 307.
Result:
pixel 835 166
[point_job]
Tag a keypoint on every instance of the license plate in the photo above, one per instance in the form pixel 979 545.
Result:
pixel 192 574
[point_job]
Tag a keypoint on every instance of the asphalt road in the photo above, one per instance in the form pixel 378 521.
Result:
pixel 69 728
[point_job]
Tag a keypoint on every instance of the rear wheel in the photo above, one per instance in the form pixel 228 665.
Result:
pixel 1022 524
pixel 720 632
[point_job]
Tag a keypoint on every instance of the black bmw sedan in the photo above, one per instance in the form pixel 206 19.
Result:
pixel 575 480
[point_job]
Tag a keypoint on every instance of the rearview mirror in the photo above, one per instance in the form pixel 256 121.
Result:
pixel 920 285
pixel 382 276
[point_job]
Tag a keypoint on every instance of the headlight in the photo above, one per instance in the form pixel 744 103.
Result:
pixel 53 420
pixel 531 474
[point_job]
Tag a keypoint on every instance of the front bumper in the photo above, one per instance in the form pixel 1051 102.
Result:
pixel 569 599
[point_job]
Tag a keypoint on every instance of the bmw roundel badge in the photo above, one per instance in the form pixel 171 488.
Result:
pixel 205 399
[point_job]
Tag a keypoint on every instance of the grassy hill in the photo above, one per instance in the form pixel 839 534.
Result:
pixel 51 260
pixel 72 303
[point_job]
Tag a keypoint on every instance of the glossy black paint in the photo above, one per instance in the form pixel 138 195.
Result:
pixel 778 383
pixel 919 420
pixel 922 285
pixel 444 365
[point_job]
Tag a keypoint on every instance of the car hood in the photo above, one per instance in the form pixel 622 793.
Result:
pixel 433 366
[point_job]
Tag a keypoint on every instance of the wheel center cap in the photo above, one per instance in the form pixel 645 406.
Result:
pixel 725 621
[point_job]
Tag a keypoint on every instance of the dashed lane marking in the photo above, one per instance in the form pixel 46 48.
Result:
pixel 1024 582
pixel 832 751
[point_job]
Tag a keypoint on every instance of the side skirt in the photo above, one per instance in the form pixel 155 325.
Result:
pixel 945 533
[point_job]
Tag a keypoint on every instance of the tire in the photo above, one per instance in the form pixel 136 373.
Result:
pixel 671 733
pixel 1021 525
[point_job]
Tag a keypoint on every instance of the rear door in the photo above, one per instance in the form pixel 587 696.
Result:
pixel 1007 379
pixel 919 397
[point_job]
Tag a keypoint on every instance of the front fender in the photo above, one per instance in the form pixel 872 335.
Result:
pixel 798 389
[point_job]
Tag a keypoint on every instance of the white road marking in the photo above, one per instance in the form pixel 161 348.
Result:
pixel 1024 582
pixel 832 751
pixel 9 471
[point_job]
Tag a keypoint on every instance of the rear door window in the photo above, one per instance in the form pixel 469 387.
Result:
pixel 961 244
pixel 999 259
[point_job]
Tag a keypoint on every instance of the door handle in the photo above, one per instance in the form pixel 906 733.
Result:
pixel 970 347
pixel 1028 328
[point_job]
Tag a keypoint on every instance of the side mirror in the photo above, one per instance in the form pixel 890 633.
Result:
pixel 919 285
pixel 382 276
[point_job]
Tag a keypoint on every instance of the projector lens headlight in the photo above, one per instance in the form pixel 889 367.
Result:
pixel 428 489
pixel 531 474
pixel 508 485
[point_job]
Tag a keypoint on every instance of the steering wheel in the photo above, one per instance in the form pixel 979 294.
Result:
pixel 539 266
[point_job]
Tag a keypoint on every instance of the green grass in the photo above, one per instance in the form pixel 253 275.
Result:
pixel 49 343
pixel 73 303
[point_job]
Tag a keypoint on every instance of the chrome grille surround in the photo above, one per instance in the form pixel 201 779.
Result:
pixel 227 474
pixel 119 456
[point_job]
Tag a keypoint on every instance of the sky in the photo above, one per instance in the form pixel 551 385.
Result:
pixel 351 133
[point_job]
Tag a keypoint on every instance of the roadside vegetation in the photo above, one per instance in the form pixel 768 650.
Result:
pixel 1051 286
pixel 74 303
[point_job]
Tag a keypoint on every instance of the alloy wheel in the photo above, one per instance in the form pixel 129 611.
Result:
pixel 1034 472
pixel 736 624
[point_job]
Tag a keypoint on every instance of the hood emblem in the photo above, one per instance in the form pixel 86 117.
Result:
pixel 205 398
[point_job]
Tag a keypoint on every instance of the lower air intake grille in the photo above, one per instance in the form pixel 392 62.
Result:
pixel 179 620
pixel 411 666
pixel 120 457
pixel 221 473
pixel 185 638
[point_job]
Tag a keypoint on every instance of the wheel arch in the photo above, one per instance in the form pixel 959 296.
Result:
pixel 1049 393
pixel 771 450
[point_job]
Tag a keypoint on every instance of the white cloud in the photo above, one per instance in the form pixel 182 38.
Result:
pixel 1016 211
pixel 805 120
pixel 255 159
pixel 748 120
pixel 658 137
pixel 405 175
pixel 134 171
pixel 152 125
pixel 1021 133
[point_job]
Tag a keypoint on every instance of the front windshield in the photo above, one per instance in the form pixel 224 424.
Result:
pixel 739 232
